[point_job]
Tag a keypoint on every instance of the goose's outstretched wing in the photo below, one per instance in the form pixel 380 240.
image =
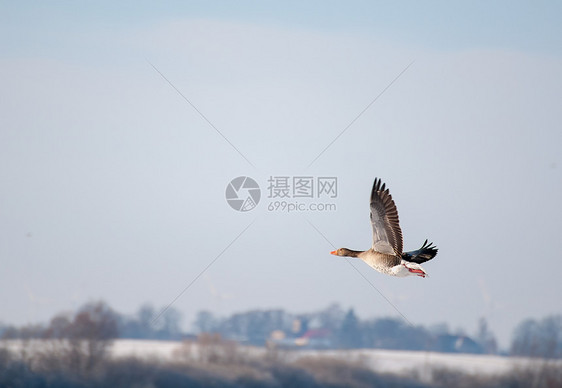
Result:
pixel 425 253
pixel 387 236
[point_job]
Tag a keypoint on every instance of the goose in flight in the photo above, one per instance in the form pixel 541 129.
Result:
pixel 385 255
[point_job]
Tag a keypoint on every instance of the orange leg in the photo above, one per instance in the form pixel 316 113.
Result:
pixel 418 271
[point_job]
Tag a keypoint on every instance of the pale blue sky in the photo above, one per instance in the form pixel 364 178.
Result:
pixel 113 186
pixel 438 24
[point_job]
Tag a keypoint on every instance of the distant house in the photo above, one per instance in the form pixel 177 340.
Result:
pixel 316 339
pixel 457 344
pixel 310 339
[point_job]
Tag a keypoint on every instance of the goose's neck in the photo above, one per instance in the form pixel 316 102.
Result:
pixel 352 253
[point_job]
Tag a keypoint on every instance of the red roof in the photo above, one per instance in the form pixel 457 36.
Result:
pixel 316 333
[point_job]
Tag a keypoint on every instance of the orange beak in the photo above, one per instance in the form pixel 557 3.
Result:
pixel 334 252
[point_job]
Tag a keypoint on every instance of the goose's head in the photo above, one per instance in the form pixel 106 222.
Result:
pixel 345 252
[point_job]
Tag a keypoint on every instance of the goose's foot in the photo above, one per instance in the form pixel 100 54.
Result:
pixel 416 271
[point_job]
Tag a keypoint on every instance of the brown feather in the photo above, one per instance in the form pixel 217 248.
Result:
pixel 385 208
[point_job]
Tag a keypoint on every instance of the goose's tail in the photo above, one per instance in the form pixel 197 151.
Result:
pixel 425 253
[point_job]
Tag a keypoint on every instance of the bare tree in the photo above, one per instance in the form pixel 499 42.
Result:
pixel 205 322
pixel 81 342
pixel 350 332
pixel 92 331
pixel 541 340
pixel 538 338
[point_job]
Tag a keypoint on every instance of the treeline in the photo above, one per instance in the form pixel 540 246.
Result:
pixel 329 328
pixel 100 319
pixel 334 328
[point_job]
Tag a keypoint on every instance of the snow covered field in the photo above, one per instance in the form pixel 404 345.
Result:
pixel 384 361
pixel 398 361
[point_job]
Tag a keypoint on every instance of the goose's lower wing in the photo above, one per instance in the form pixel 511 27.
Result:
pixel 425 253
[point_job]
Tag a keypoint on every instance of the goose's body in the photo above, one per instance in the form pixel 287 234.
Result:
pixel 385 255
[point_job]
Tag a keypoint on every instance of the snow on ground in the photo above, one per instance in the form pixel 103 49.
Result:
pixel 399 362
pixel 383 361
pixel 163 350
